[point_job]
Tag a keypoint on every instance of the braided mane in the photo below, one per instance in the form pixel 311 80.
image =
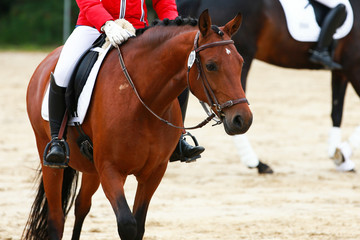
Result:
pixel 178 21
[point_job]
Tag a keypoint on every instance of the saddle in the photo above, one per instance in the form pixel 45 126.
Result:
pixel 76 85
pixel 304 18
pixel 81 74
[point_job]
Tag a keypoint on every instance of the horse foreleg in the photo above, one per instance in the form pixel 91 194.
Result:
pixel 89 184
pixel 53 179
pixel 246 152
pixel 145 190
pixel 338 86
pixel 354 78
pixel 112 183
pixel 344 151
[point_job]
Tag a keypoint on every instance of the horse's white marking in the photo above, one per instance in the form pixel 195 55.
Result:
pixel 123 86
pixel 227 51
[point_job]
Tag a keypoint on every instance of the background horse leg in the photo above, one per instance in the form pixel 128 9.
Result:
pixel 354 78
pixel 112 183
pixel 247 154
pixel 53 179
pixel 89 184
pixel 338 86
pixel 345 149
pixel 144 193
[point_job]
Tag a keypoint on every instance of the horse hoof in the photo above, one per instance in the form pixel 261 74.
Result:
pixel 264 168
pixel 342 160
pixel 338 157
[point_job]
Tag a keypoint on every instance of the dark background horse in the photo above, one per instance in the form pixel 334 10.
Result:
pixel 264 36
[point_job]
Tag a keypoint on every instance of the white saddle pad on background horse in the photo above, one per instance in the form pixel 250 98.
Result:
pixel 85 96
pixel 301 21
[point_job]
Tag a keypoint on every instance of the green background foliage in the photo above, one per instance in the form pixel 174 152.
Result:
pixel 36 22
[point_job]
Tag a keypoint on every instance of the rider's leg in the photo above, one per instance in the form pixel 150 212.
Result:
pixel 332 21
pixel 56 157
pixel 78 42
pixel 184 151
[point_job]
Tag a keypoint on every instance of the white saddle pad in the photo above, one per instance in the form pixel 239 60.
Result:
pixel 85 96
pixel 301 21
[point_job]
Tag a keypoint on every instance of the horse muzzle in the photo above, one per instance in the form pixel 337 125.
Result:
pixel 237 122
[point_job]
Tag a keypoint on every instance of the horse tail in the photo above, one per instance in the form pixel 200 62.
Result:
pixel 36 226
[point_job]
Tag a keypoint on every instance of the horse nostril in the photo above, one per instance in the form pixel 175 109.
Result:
pixel 238 121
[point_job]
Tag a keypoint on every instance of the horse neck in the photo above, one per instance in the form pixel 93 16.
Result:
pixel 163 73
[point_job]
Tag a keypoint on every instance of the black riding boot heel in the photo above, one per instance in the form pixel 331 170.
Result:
pixel 321 54
pixel 56 154
pixel 184 151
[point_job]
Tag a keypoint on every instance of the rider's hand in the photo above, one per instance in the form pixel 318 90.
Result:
pixel 115 33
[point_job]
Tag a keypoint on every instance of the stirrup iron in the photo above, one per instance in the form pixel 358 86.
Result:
pixel 65 147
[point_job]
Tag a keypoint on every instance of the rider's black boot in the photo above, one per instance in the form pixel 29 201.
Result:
pixel 321 53
pixel 184 151
pixel 56 157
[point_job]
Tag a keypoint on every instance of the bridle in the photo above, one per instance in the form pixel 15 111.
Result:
pixel 194 56
pixel 210 95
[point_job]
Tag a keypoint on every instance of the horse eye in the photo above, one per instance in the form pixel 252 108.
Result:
pixel 211 66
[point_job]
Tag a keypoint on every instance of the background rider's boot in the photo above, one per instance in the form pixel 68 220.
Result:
pixel 321 53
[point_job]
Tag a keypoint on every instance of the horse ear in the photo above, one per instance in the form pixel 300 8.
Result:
pixel 233 26
pixel 204 22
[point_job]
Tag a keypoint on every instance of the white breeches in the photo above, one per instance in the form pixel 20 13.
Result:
pixel 77 43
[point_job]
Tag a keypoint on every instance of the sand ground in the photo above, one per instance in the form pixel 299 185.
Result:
pixel 217 197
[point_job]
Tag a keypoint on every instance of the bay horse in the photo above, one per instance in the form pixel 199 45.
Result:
pixel 264 36
pixel 127 138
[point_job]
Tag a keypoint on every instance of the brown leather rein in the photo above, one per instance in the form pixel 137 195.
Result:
pixel 208 91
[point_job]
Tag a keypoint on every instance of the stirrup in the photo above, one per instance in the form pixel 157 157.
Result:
pixel 183 158
pixel 192 159
pixel 66 148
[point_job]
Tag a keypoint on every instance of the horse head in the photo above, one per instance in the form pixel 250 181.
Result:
pixel 218 78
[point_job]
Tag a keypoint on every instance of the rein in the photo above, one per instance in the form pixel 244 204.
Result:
pixel 128 77
pixel 208 91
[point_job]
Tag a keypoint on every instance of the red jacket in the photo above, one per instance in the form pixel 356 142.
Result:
pixel 95 13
